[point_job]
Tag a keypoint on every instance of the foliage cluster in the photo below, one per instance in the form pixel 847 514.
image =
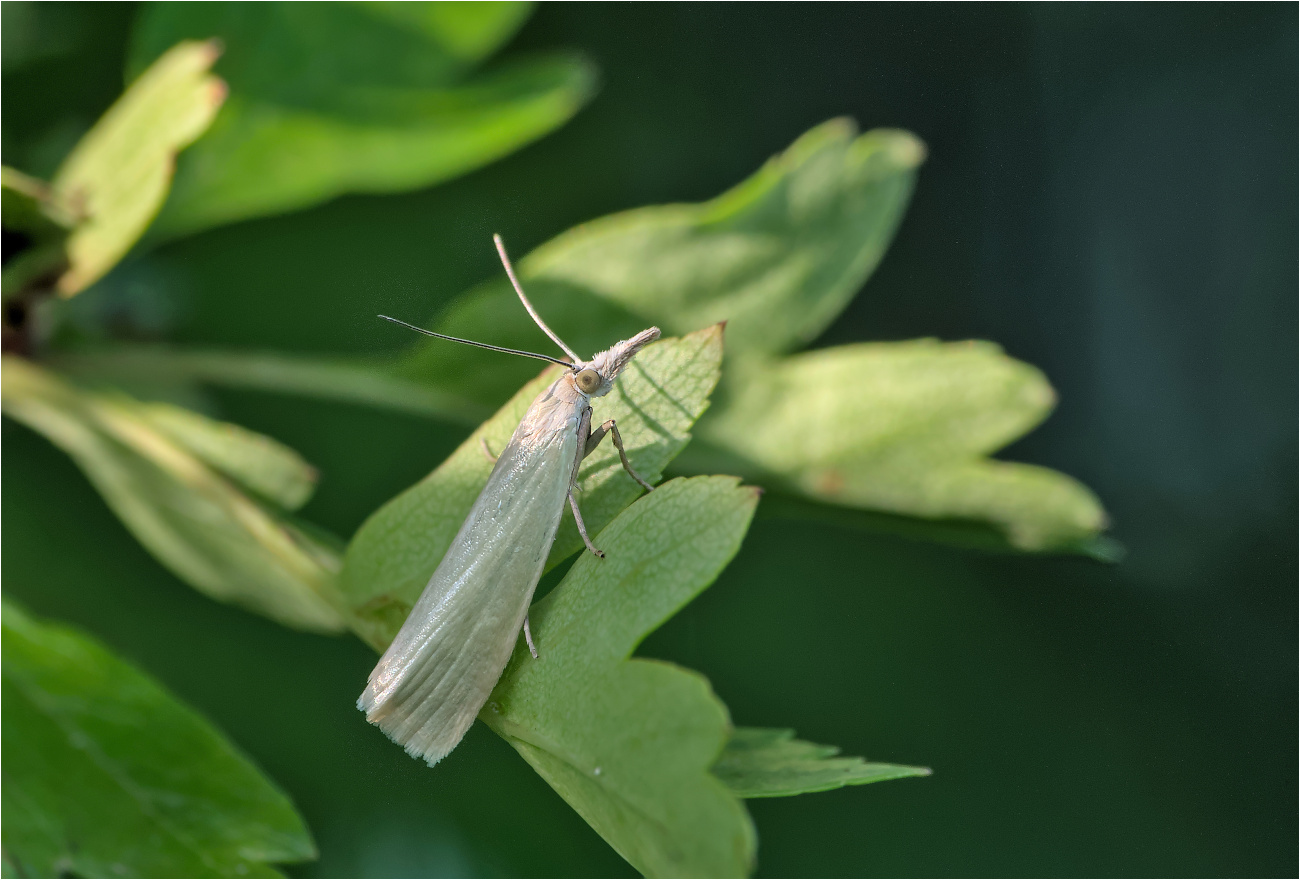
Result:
pixel 117 776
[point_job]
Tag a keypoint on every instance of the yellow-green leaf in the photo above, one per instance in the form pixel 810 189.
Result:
pixel 118 175
pixel 906 427
pixel 777 257
pixel 189 516
pixel 260 464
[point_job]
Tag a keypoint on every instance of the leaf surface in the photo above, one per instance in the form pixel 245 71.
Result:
pixel 117 176
pixel 107 774
pixel 778 257
pixel 328 99
pixel 764 762
pixel 629 742
pixel 907 428
pixel 255 461
pixel 655 402
pixel 191 518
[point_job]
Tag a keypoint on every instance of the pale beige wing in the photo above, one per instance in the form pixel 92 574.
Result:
pixel 435 677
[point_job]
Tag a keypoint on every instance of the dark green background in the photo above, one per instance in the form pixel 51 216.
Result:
pixel 1111 195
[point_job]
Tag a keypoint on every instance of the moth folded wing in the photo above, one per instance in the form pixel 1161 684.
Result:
pixel 436 675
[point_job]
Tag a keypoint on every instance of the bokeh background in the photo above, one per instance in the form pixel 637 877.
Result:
pixel 1111 195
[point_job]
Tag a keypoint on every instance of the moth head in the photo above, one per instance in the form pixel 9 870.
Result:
pixel 588 380
pixel 596 378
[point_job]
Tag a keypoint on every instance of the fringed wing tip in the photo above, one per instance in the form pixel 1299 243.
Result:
pixel 379 715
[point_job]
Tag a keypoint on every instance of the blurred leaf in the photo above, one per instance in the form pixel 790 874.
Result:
pixel 298 55
pixel 778 257
pixel 32 206
pixel 629 742
pixel 189 517
pixel 334 98
pixel 118 175
pixel 372 382
pixel 31 209
pixel 253 460
pixel 106 774
pixel 763 762
pixel 907 427
pixel 656 400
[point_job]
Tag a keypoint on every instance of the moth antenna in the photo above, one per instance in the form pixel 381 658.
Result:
pixel 510 271
pixel 530 354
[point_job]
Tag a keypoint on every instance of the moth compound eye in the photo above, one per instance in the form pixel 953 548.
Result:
pixel 588 380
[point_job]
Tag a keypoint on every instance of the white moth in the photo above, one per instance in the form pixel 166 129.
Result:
pixel 437 674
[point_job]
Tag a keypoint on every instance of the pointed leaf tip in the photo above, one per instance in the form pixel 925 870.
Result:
pixel 765 762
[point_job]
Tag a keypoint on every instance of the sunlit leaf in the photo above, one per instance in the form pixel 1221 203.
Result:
pixel 106 774
pixel 777 257
pixel 763 762
pixel 118 175
pixel 655 402
pixel 334 98
pixel 258 463
pixel 907 428
pixel 629 742
pixel 190 517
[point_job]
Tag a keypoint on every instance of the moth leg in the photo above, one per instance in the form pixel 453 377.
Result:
pixel 487 453
pixel 528 637
pixel 599 434
pixel 582 527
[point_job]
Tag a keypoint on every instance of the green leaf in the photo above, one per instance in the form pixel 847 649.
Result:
pixel 328 99
pixel 107 774
pixel 778 257
pixel 118 174
pixel 629 742
pixel 907 427
pixel 276 51
pixel 253 460
pixel 656 401
pixel 191 518
pixel 32 208
pixel 762 762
